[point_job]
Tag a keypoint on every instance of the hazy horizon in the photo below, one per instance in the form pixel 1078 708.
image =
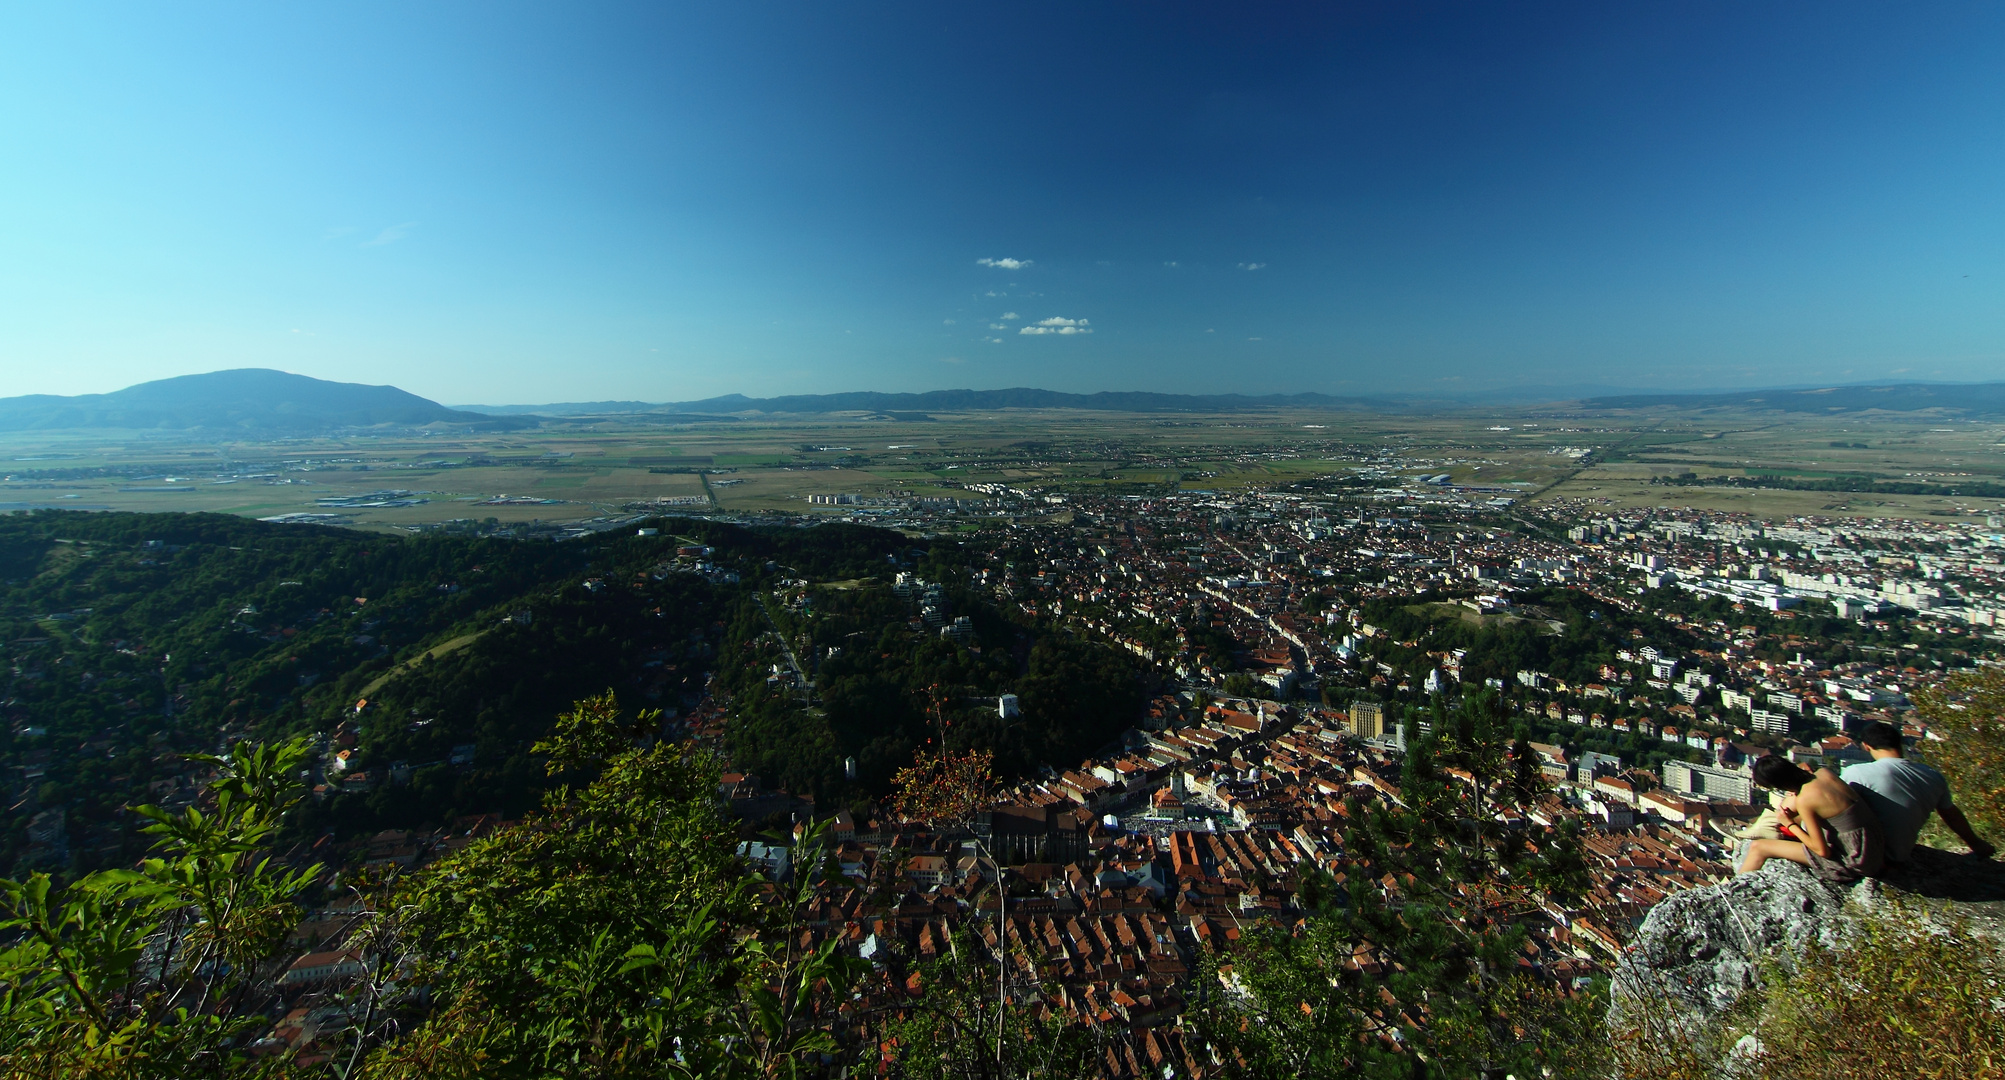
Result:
pixel 1520 395
pixel 514 205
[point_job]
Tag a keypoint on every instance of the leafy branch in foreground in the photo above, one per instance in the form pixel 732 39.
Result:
pixel 943 787
pixel 163 970
pixel 617 933
pixel 1410 967
pixel 960 1027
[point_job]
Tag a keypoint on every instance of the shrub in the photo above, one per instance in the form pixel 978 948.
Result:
pixel 1968 714
pixel 1907 993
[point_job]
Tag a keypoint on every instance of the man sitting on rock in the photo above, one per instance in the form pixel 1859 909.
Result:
pixel 1835 833
pixel 1904 793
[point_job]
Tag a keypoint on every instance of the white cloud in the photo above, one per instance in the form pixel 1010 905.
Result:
pixel 947 322
pixel 1057 325
pixel 995 341
pixel 997 326
pixel 1169 264
pixel 1008 315
pixel 391 235
pixel 1004 264
pixel 1252 266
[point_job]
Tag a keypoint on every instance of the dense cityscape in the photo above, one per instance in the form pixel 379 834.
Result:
pixel 1299 640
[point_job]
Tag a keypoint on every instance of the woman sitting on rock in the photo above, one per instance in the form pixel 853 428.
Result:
pixel 1840 837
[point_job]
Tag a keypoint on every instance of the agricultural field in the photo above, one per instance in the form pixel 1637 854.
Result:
pixel 576 469
pixel 1757 449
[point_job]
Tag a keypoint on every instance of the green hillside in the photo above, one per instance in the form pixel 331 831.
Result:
pixel 131 640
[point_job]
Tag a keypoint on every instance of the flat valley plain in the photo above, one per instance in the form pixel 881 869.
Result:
pixel 581 468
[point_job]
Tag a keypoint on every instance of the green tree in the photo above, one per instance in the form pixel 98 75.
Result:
pixel 1410 969
pixel 967 1023
pixel 616 933
pixel 160 971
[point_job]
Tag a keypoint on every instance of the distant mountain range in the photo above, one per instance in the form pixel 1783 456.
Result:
pixel 259 400
pixel 1966 399
pixel 1978 399
pixel 954 401
pixel 244 400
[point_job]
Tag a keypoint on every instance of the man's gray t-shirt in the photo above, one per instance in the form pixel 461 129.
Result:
pixel 1903 793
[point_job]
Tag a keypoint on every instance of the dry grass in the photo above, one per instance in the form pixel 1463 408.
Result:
pixel 1909 994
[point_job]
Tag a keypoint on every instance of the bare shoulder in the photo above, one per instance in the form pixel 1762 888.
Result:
pixel 1828 795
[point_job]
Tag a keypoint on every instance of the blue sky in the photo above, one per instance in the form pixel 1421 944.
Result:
pixel 501 203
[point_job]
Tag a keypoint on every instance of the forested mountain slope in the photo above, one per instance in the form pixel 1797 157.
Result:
pixel 130 640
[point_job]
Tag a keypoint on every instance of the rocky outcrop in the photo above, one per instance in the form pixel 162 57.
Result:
pixel 1697 952
pixel 1703 948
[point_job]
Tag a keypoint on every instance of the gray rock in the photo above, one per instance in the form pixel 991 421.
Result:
pixel 1955 887
pixel 1702 949
pixel 1698 951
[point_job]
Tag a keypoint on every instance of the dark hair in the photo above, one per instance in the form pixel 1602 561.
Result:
pixel 1882 736
pixel 1776 771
